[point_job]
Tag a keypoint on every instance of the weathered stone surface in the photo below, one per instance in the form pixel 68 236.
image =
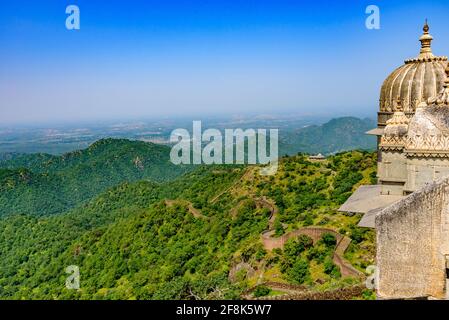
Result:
pixel 369 219
pixel 412 244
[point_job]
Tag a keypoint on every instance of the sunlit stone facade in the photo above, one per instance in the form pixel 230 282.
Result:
pixel 414 145
pixel 413 234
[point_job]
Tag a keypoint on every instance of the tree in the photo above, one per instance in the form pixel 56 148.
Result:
pixel 357 235
pixel 304 242
pixel 279 228
pixel 300 272
pixel 308 221
pixel 329 240
pixel 331 268
pixel 261 291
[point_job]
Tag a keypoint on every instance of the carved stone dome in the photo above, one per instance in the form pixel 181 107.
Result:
pixel 428 133
pixel 414 82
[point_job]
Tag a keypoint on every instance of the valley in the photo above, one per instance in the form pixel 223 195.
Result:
pixel 296 134
pixel 198 234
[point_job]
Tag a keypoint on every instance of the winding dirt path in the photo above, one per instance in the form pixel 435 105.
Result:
pixel 246 175
pixel 346 269
pixel 270 243
pixel 264 202
pixel 195 212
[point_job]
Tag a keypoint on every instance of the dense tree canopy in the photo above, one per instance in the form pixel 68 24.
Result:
pixel 42 184
pixel 133 238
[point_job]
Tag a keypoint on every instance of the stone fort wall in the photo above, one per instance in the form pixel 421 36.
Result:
pixel 315 233
pixel 412 242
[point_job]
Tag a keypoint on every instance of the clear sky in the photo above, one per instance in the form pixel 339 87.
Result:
pixel 134 59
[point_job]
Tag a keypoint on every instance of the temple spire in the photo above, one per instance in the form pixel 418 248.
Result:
pixel 426 41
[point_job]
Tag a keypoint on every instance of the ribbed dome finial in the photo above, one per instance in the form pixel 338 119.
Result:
pixel 426 41
pixel 414 83
pixel 426 27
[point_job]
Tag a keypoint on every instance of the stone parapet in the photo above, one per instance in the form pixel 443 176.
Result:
pixel 412 244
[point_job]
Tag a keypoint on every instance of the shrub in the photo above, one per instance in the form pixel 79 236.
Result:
pixel 318 253
pixel 329 240
pixel 369 295
pixel 300 272
pixel 357 235
pixel 304 242
pixel 279 229
pixel 261 291
pixel 294 247
pixel 308 221
pixel 331 269
pixel 260 254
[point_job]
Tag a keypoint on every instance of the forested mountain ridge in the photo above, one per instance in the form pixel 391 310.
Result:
pixel 109 153
pixel 337 135
pixel 308 136
pixel 41 184
pixel 186 238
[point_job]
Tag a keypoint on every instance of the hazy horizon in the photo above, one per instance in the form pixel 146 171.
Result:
pixel 136 59
pixel 98 122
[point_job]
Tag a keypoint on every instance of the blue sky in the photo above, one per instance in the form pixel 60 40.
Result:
pixel 133 59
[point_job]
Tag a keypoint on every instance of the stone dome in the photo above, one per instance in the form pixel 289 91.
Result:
pixel 428 133
pixel 414 82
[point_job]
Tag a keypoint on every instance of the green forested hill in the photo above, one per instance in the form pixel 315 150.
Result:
pixel 34 161
pixel 184 238
pixel 337 135
pixel 42 184
pixel 119 156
